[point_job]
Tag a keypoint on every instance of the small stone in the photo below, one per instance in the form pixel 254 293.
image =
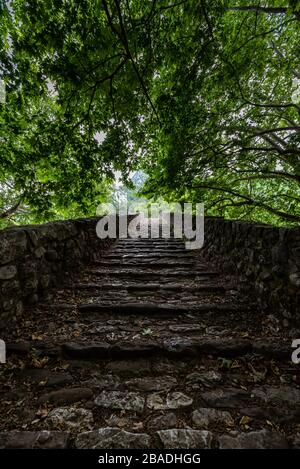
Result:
pixel 67 396
pixel 121 400
pixel 129 367
pixel 203 417
pixel 40 439
pixel 179 345
pixel 262 439
pixel 86 350
pixel 185 438
pixel 207 379
pixel 278 395
pixel 230 397
pixel 129 328
pixel 71 417
pixel 272 349
pixel 46 377
pixel 39 252
pixel 110 437
pixel 295 279
pixel 173 400
pixel 7 272
pixel 164 383
pixel 277 414
pixel 185 328
pixel 117 421
pixel 216 330
pixel 168 420
pixel 102 329
pixel 111 382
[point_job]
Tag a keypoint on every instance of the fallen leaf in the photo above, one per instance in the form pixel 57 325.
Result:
pixel 138 426
pixel 34 421
pixel 245 420
pixel 147 331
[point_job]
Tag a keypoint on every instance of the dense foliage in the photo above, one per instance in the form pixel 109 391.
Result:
pixel 203 95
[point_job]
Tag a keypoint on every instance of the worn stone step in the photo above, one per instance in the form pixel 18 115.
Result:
pixel 196 347
pixel 143 287
pixel 131 273
pixel 165 252
pixel 112 437
pixel 99 286
pixel 154 308
pixel 218 346
pixel 262 439
pixel 115 437
pixel 148 256
pixel 173 248
pixel 141 263
pixel 127 350
pixel 156 248
pixel 203 345
pixel 163 245
pixel 132 308
pixel 150 241
pixel 177 287
pixel 46 377
pixel 42 439
pixel 150 287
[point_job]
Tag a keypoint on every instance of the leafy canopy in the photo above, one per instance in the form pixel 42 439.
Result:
pixel 201 95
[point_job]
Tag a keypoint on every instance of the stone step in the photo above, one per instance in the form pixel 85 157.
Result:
pixel 116 437
pixel 176 288
pixel 141 348
pixel 141 263
pixel 156 308
pixel 99 286
pixel 150 241
pixel 112 297
pixel 169 348
pixel 146 256
pixel 152 247
pixel 42 439
pixel 148 244
pixel 149 287
pixel 148 273
pixel 165 252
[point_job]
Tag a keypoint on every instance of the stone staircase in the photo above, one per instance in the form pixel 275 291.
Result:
pixel 149 347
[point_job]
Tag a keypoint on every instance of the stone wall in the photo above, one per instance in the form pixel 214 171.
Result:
pixel 266 260
pixel 35 258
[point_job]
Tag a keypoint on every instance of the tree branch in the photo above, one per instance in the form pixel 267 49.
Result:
pixel 258 9
pixel 266 10
pixel 10 211
pixel 250 201
pixel 123 38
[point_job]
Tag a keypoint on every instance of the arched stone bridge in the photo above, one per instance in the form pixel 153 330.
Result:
pixel 142 343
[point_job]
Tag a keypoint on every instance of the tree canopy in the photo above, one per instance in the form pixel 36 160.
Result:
pixel 202 95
